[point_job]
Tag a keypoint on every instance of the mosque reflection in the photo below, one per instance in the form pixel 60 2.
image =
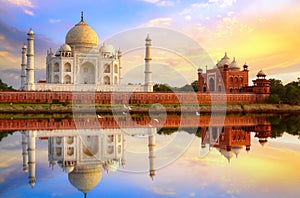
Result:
pixel 85 153
pixel 230 140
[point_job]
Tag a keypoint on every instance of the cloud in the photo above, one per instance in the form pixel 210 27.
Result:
pixel 161 191
pixel 159 22
pixel 24 5
pixel 54 20
pixel 160 3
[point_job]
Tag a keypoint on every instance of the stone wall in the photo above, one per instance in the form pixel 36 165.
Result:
pixel 128 97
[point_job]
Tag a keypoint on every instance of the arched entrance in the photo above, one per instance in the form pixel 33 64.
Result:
pixel 87 73
pixel 211 84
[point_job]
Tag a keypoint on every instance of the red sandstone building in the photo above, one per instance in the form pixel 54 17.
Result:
pixel 228 77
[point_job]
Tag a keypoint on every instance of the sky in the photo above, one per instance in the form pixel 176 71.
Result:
pixel 262 33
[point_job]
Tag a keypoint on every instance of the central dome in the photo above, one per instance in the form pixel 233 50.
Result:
pixel 82 35
pixel 85 178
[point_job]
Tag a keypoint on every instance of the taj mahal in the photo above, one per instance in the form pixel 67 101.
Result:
pixel 80 65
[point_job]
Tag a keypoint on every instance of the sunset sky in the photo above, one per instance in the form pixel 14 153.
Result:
pixel 262 33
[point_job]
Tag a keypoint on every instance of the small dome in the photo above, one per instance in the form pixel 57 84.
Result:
pixel 30 33
pixel 261 74
pixel 233 65
pixel 224 61
pixel 107 49
pixel 227 154
pixel 82 34
pixel 24 46
pixel 262 141
pixel 69 168
pixel 65 48
pixel 236 150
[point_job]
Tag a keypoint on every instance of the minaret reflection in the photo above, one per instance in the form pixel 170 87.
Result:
pixel 151 148
pixel 83 154
pixel 24 150
pixel 31 156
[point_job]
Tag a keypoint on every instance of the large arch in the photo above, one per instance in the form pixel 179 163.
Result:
pixel 211 84
pixel 106 68
pixel 115 80
pixel 67 79
pixel 56 67
pixel 56 79
pixel 115 68
pixel 67 67
pixel 87 73
pixel 106 80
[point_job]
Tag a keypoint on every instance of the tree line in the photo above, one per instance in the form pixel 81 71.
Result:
pixel 287 94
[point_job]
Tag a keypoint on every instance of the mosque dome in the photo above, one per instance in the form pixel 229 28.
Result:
pixel 85 178
pixel 82 34
pixel 233 65
pixel 237 149
pixel 224 61
pixel 261 74
pixel 227 154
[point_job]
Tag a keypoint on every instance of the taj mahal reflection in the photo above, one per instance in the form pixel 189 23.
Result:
pixel 83 154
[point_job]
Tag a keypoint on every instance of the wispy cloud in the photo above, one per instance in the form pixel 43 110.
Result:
pixel 54 20
pixel 25 5
pixel 159 22
pixel 161 3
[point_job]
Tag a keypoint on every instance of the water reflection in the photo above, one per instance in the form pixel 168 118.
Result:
pixel 85 154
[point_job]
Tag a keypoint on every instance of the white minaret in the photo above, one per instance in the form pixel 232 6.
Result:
pixel 31 155
pixel 120 66
pixel 24 151
pixel 151 147
pixel 148 73
pixel 23 67
pixel 30 61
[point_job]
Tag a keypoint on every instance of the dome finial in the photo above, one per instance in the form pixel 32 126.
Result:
pixel 81 16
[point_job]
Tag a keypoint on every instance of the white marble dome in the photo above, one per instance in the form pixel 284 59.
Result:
pixel 82 34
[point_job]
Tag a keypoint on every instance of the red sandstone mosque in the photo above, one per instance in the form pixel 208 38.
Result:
pixel 227 77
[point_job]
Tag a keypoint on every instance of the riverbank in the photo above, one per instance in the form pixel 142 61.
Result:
pixel 68 108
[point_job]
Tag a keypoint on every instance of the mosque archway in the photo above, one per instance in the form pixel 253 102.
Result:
pixel 211 84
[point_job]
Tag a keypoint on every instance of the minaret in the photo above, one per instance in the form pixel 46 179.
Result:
pixel 151 147
pixel 31 155
pixel 120 66
pixel 23 67
pixel 200 80
pixel 148 73
pixel 24 151
pixel 30 61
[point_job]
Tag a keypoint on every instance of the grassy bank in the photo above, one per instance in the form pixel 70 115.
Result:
pixel 171 108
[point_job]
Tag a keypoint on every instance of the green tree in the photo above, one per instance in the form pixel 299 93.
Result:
pixel 292 94
pixel 161 88
pixel 4 86
pixel 195 85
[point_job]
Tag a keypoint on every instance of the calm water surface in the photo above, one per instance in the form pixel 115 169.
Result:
pixel 243 157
